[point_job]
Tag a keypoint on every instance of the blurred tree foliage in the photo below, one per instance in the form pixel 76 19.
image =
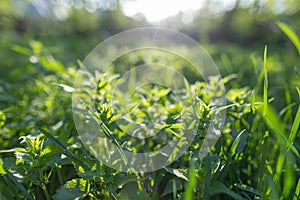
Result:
pixel 232 33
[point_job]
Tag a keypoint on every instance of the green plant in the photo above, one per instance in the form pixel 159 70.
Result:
pixel 42 157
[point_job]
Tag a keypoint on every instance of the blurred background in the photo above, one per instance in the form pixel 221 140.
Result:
pixel 234 32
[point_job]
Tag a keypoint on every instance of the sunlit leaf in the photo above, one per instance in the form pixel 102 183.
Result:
pixel 74 189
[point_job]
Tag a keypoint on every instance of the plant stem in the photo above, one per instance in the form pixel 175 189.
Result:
pixel 46 192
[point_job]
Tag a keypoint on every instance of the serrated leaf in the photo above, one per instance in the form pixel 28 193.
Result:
pixel 74 189
pixel 107 132
pixel 51 149
pixel 47 154
pixel 66 151
pixel 121 179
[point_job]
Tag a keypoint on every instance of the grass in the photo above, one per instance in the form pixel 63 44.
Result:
pixel 42 156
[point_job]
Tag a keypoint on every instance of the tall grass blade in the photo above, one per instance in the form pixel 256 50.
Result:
pixel 297 192
pixel 296 123
pixel 174 189
pixel 265 83
pixel 277 127
pixel 188 194
pixel 289 179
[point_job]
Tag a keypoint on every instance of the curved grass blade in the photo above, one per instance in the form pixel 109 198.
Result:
pixel 291 34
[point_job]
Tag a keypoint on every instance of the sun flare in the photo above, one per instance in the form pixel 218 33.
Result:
pixel 156 10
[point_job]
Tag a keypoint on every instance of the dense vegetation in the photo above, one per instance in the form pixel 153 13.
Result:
pixel 257 156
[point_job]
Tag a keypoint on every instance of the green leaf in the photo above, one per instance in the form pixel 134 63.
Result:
pixel 107 133
pixel 230 77
pixel 2 119
pixel 50 150
pixel 2 171
pixel 176 172
pixel 21 50
pixel 291 34
pixel 49 63
pixel 52 139
pixel 121 179
pixel 66 151
pixel 74 189
pixel 47 154
pixel 36 46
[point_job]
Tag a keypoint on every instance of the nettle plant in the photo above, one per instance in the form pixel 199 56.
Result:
pixel 254 157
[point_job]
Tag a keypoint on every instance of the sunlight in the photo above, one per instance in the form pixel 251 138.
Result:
pixel 156 10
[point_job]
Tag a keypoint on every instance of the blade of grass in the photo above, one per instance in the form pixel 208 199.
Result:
pixel 296 123
pixel 174 189
pixel 265 83
pixel 188 194
pixel 275 124
pixel 291 34
pixel 297 191
pixel 289 104
pixel 279 166
pixel 289 178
